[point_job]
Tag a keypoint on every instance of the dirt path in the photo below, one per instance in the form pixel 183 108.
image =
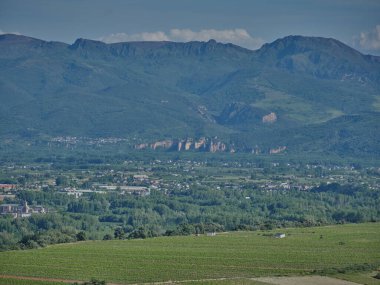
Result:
pixel 38 278
pixel 304 280
pixel 46 279
pixel 187 281
pixel 147 283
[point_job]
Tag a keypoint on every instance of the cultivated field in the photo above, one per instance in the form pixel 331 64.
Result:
pixel 227 255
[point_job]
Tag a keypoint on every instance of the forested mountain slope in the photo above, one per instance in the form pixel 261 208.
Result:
pixel 305 93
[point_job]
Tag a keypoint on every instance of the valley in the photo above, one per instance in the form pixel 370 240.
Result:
pixel 193 162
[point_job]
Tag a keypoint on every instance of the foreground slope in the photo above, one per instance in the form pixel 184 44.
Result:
pixel 240 254
pixel 156 90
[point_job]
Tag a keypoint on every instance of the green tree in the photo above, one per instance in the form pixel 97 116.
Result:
pixel 62 181
pixel 81 236
pixel 119 233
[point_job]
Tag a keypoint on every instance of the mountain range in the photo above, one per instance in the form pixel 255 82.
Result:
pixel 307 94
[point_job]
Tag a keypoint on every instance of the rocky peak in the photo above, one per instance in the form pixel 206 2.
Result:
pixel 89 46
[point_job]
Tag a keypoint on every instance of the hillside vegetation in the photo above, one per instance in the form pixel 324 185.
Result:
pixel 324 94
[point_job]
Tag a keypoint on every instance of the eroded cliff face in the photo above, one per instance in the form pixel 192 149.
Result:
pixel 277 150
pixel 217 146
pixel 141 146
pixel 188 144
pixel 202 144
pixel 164 144
pixel 205 144
pixel 191 144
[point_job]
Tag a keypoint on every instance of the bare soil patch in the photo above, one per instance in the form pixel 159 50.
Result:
pixel 304 280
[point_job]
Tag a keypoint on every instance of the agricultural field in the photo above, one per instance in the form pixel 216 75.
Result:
pixel 316 250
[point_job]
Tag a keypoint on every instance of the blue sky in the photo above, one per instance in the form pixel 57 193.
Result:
pixel 248 23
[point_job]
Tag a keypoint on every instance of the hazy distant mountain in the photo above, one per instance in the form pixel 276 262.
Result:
pixel 309 94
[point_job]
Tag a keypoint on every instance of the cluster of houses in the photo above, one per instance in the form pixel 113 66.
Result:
pixel 6 191
pixel 79 192
pixel 16 210
pixel 84 140
pixel 133 190
pixel 5 187
pixel 21 211
pixel 97 188
pixel 285 186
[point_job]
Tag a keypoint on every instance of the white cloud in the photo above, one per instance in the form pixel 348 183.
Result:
pixel 369 40
pixel 123 37
pixel 236 36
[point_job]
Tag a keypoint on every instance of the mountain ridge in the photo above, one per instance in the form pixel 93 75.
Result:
pixel 158 90
pixel 24 38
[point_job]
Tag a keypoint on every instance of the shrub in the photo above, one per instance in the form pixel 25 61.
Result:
pixel 91 282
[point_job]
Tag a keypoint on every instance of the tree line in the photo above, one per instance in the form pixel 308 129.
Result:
pixel 195 211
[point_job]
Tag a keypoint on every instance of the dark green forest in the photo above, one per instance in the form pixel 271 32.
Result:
pixel 199 210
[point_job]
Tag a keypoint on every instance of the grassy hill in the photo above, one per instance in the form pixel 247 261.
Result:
pixel 320 250
pixel 156 90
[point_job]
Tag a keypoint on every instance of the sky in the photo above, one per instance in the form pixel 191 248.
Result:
pixel 248 23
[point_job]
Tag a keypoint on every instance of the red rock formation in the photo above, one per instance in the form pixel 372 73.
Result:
pixel 270 118
pixel 277 150
pixel 164 144
pixel 141 146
